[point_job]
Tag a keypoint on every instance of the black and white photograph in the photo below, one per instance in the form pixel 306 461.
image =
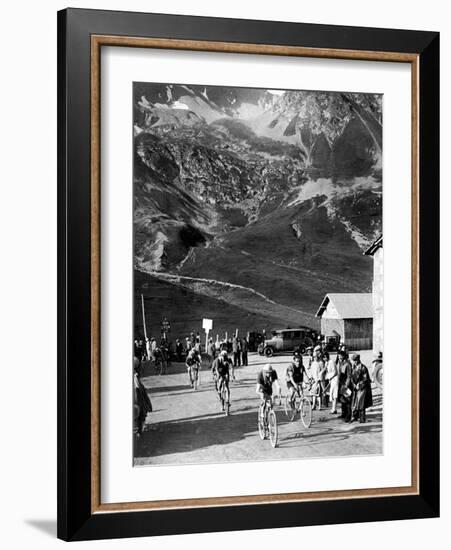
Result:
pixel 258 274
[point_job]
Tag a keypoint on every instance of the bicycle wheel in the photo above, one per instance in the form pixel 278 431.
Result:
pixel 291 407
pixel 306 412
pixel 272 425
pixel 196 379
pixel 261 424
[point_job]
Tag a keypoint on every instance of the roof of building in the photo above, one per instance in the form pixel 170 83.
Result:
pixel 349 305
pixel 374 246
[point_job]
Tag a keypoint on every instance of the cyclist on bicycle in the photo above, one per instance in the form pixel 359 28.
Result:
pixel 220 369
pixel 265 380
pixel 295 376
pixel 192 364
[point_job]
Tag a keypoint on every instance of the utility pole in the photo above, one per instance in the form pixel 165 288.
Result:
pixel 144 317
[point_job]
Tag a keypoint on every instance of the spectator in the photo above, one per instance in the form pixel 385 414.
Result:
pixel 236 349
pixel 153 349
pixel 136 348
pixel 141 350
pixel 189 346
pixel 362 397
pixel 332 377
pixel 244 350
pixel 148 354
pixel 317 373
pixel 178 350
pixel 211 351
pixel 344 381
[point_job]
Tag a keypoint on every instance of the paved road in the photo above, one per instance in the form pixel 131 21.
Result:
pixel 188 427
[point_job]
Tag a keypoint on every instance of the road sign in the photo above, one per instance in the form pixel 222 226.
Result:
pixel 207 324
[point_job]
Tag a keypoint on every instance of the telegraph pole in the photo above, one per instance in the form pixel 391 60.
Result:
pixel 144 317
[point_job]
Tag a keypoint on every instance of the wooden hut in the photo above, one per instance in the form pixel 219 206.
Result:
pixel 348 317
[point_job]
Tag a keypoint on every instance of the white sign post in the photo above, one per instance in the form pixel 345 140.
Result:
pixel 207 325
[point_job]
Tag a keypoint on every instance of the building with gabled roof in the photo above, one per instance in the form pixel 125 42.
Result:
pixel 348 317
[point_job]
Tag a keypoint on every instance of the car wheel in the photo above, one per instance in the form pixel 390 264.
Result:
pixel 269 352
pixel 378 373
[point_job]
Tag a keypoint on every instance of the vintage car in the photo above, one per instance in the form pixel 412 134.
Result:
pixel 290 339
pixel 254 340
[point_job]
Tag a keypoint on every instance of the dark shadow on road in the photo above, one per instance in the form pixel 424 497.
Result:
pixel 195 433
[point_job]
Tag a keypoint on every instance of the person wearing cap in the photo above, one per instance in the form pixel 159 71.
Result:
pixel 265 380
pixel 295 376
pixel 317 373
pixel 192 363
pixel 344 385
pixel 221 376
pixel 332 377
pixel 362 397
pixel 221 359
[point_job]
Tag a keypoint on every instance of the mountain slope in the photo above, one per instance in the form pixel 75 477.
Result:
pixel 251 214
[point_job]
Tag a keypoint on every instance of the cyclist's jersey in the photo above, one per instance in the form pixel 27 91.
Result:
pixel 296 371
pixel 192 362
pixel 266 381
pixel 221 367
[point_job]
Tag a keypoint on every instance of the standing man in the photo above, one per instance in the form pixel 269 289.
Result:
pixel 244 350
pixel 344 385
pixel 147 349
pixel 332 377
pixel 362 397
pixel 211 351
pixel 179 350
pixel 153 349
pixel 317 373
pixel 236 349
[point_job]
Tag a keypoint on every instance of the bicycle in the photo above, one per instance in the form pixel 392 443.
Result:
pixel 194 376
pixel 299 403
pixel 267 421
pixel 224 398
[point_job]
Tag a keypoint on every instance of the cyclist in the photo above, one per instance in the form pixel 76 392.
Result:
pixel 220 369
pixel 295 376
pixel 193 365
pixel 214 367
pixel 265 380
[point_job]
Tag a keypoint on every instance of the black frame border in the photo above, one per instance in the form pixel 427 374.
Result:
pixel 75 520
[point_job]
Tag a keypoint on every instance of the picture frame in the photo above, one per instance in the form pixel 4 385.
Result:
pixel 81 35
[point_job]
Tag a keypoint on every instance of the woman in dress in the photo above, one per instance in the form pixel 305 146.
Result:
pixel 362 397
pixel 344 385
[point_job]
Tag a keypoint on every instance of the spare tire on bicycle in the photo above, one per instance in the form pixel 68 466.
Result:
pixel 306 412
pixel 272 428
pixel 261 424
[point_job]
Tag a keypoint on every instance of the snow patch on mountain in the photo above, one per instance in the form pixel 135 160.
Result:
pixel 326 187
